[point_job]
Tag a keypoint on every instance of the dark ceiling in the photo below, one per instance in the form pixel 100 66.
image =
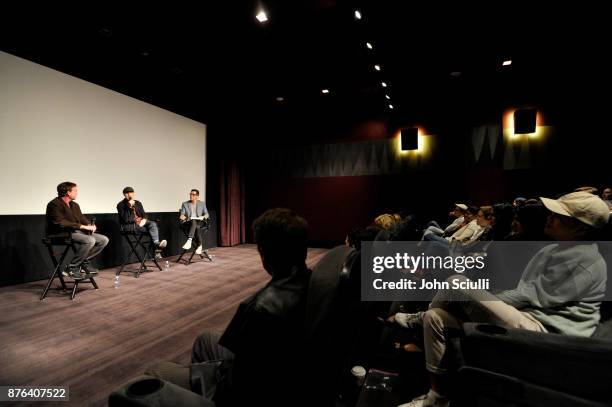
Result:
pixel 217 61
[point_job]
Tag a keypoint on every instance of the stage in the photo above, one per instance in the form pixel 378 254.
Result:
pixel 107 336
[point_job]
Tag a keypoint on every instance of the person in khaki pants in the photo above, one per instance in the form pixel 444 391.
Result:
pixel 560 291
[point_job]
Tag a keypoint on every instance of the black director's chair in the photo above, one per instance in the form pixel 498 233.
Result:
pixel 140 246
pixel 204 225
pixel 58 247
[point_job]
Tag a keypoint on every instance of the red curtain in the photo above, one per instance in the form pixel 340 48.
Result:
pixel 231 219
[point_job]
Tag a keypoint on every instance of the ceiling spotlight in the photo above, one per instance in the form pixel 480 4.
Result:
pixel 325 91
pixel 357 14
pixel 261 16
pixel 280 98
pixel 507 62
pixel 369 45
pixel 377 67
pixel 387 97
pixel 391 107
pixel 384 84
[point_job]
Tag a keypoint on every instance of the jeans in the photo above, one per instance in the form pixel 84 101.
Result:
pixel 87 245
pixel 150 227
pixel 435 238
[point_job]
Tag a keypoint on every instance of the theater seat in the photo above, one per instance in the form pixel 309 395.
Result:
pixel 522 368
pixel 147 391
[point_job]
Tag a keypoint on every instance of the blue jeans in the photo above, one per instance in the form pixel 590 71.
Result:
pixel 151 228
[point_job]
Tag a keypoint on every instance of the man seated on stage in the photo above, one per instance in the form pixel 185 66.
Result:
pixel 133 217
pixel 262 350
pixel 65 216
pixel 192 215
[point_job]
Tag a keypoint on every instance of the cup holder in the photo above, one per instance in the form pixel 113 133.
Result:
pixel 143 388
pixel 490 329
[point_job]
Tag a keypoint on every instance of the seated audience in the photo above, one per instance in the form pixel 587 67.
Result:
pixel 457 213
pixel 464 233
pixel 560 291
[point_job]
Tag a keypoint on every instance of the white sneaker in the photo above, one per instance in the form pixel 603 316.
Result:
pixel 416 402
pixel 187 245
pixel 162 244
pixel 409 320
pixel 199 249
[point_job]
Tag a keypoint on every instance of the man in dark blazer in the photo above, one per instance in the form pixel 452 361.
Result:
pixel 64 216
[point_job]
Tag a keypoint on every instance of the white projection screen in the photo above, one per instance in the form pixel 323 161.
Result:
pixel 55 128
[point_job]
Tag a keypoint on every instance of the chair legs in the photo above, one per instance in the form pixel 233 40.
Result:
pixel 203 255
pixel 57 263
pixel 135 242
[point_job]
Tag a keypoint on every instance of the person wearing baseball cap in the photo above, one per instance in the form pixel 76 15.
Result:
pixel 560 291
pixel 581 213
pixel 133 217
pixel 458 211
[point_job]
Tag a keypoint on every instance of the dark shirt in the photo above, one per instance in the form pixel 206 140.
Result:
pixel 63 218
pixel 267 338
pixel 126 214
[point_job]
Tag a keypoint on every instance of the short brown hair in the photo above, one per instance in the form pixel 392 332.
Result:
pixel 281 237
pixel 64 188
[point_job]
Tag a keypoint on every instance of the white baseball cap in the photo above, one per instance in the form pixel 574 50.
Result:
pixel 461 206
pixel 585 207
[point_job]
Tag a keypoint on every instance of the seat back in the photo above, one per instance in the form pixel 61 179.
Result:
pixel 331 314
pixel 546 367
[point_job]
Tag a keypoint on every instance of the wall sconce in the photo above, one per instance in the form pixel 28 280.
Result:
pixel 409 139
pixel 525 121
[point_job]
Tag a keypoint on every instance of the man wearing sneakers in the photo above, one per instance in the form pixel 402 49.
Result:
pixel 193 216
pixel 133 217
pixel 64 216
pixel 560 291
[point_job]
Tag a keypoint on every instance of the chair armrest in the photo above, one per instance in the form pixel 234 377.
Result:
pixel 575 365
pixel 151 391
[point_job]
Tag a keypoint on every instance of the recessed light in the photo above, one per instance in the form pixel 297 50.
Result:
pixel 357 14
pixel 261 16
pixel 377 67
pixel 280 98
pixel 391 107
pixel 507 62
pixel 369 45
pixel 387 97
pixel 325 91
pixel 384 84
